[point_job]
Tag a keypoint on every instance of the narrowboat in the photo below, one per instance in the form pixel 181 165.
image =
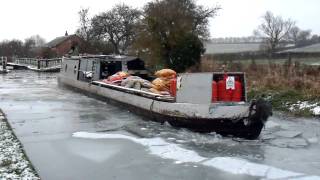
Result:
pixel 202 101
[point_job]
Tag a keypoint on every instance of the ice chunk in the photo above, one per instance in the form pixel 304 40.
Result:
pixel 307 178
pixel 272 125
pixel 288 134
pixel 313 140
pixel 239 166
pixel 291 143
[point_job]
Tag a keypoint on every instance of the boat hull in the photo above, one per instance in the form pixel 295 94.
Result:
pixel 192 116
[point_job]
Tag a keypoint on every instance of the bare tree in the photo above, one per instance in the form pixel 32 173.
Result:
pixel 37 39
pixel 84 30
pixel 304 38
pixel 117 26
pixel 29 47
pixel 299 37
pixel 12 48
pixel 274 29
pixel 315 39
pixel 293 34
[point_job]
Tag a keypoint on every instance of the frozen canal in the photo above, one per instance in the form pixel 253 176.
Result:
pixel 68 135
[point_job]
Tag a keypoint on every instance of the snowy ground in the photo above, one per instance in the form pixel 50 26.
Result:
pixel 314 108
pixel 13 162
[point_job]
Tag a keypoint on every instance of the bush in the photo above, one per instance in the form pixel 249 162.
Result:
pixel 186 53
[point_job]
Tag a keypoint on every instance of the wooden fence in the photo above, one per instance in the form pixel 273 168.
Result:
pixel 38 64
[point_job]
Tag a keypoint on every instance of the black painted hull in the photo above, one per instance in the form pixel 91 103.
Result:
pixel 225 127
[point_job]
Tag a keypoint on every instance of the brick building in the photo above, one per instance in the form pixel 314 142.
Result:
pixel 68 44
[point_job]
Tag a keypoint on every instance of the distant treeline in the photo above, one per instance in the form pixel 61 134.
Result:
pixel 256 56
pixel 305 38
pixel 19 48
pixel 15 48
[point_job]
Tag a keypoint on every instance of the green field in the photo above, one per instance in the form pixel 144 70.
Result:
pixel 306 61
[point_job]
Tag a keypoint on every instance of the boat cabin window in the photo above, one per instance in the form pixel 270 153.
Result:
pixel 95 68
pixel 86 70
pixel 135 65
pixel 109 68
pixel 75 69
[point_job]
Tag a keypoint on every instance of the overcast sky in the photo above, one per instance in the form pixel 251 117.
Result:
pixel 51 18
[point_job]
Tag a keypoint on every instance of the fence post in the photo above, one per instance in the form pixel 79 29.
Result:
pixel 4 63
pixel 38 61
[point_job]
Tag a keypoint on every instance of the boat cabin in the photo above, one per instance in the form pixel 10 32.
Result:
pixel 93 68
pixel 199 88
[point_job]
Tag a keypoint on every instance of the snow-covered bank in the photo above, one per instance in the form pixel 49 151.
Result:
pixel 313 108
pixel 293 102
pixel 167 150
pixel 13 162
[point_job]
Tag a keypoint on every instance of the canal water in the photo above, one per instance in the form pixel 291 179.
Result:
pixel 68 135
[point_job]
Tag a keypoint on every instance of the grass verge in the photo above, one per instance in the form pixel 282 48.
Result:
pixel 14 164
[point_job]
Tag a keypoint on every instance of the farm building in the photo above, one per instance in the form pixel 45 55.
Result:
pixel 231 48
pixel 231 51
pixel 219 53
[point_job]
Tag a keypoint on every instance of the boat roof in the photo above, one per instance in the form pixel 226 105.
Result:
pixel 107 57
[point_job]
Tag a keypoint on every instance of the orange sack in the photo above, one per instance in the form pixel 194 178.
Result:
pixel 166 73
pixel 161 84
